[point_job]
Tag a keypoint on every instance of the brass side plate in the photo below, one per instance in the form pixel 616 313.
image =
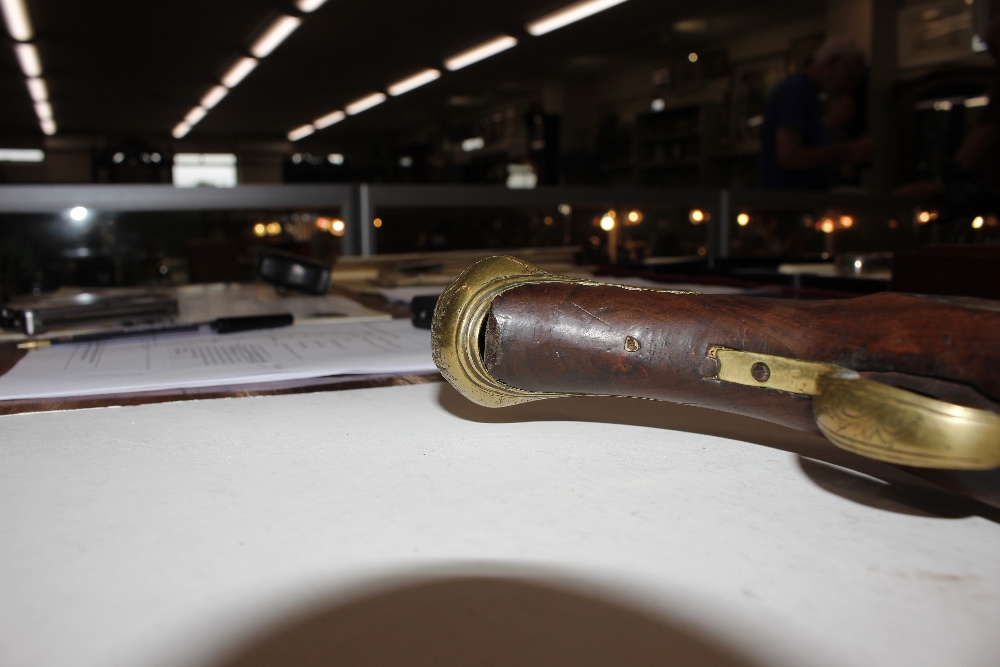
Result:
pixel 781 373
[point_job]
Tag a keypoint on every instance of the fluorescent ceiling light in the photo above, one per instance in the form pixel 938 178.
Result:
pixel 973 102
pixel 181 130
pixel 329 119
pixel 282 27
pixel 43 110
pixel 214 96
pixel 301 132
pixel 18 21
pixel 367 102
pixel 48 126
pixel 27 55
pixel 195 115
pixel 238 72
pixel 480 52
pixel 570 14
pixel 306 6
pixel 415 81
pixel 21 155
pixel 38 90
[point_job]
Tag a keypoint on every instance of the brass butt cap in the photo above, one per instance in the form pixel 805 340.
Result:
pixel 459 316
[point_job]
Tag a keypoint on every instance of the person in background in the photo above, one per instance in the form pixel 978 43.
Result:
pixel 795 151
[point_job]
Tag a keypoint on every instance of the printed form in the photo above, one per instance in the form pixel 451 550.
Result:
pixel 180 361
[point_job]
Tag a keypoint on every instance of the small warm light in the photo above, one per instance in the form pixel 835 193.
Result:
pixel 693 57
pixel 991 221
pixel 826 226
pixel 697 216
pixel 702 251
pixel 607 223
pixel 273 229
pixel 924 217
pixel 260 229
pixel 323 224
pixel 78 213
pixel 635 217
pixel 337 227
pixel 377 222
pixel 595 241
pixel 565 209
pixel 893 224
pixel 547 220
pixel 846 221
pixel 977 222
pixel 743 219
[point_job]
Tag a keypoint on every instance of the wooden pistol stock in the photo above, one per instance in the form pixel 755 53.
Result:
pixel 905 379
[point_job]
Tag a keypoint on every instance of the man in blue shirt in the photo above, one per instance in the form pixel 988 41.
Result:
pixel 794 148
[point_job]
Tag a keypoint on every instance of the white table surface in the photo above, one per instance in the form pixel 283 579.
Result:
pixel 167 534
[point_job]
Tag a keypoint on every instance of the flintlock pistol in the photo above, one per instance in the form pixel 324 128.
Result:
pixel 905 379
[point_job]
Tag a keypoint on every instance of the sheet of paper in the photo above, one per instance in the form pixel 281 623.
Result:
pixel 171 362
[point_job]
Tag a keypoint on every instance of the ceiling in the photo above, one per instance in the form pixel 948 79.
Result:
pixel 128 68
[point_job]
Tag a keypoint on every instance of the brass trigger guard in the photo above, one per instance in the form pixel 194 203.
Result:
pixel 872 418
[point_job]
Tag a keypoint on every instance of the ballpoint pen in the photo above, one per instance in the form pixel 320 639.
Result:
pixel 222 325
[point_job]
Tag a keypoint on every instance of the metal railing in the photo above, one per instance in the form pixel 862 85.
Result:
pixel 359 204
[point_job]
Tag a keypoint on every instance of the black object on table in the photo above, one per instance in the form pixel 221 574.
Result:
pixel 422 311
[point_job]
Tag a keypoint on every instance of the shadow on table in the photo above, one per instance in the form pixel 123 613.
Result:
pixel 829 467
pixel 484 621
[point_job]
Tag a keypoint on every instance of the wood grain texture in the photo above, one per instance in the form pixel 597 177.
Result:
pixel 571 338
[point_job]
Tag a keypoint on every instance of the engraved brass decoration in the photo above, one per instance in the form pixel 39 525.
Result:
pixel 459 316
pixel 899 426
pixel 875 419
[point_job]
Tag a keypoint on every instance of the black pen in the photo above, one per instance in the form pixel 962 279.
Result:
pixel 222 325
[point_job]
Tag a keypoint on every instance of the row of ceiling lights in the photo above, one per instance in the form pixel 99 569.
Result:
pixel 284 25
pixel 268 41
pixel 546 24
pixel 15 13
